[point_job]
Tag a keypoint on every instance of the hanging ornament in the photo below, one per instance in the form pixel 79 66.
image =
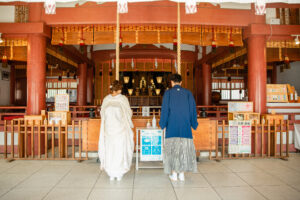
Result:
pixel 122 6
pixel 50 7
pixel 286 59
pixel 190 7
pixel 62 40
pixel 175 42
pixel 260 7
pixel 121 41
pixel 188 72
pixel 112 64
pixel 231 42
pixel 155 63
pixel 213 42
pixel 132 63
pixel 175 65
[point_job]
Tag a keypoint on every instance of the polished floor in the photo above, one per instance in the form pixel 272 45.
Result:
pixel 253 179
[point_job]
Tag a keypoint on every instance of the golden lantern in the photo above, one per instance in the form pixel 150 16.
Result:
pixel 126 79
pixel 157 91
pixel 159 79
pixel 130 91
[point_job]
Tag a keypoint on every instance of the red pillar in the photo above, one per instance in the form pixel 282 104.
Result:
pixel 257 72
pixel 36 74
pixel 82 86
pixel 206 77
pixel 12 84
pixel 90 85
pixel 35 12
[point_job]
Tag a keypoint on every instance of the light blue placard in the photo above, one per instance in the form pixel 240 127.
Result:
pixel 151 144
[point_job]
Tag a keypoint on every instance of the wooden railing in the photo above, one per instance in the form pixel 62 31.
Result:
pixel 291 116
pixel 264 141
pixel 37 141
pixel 214 112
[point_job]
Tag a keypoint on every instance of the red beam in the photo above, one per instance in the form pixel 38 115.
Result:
pixel 160 12
pixel 282 5
pixel 271 30
pixel 25 28
pixel 103 55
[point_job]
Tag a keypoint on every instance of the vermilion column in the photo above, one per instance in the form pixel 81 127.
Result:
pixel 90 85
pixel 257 72
pixel 12 84
pixel 206 77
pixel 82 86
pixel 36 74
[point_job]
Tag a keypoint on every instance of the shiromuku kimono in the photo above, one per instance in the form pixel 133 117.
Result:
pixel 178 116
pixel 116 145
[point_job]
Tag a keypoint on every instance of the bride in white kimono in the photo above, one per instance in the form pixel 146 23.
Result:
pixel 116 136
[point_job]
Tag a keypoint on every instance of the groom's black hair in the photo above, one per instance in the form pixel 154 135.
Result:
pixel 176 78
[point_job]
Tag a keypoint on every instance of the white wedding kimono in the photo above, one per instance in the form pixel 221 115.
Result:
pixel 116 145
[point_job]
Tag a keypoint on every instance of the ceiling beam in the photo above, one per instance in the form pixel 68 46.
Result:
pixel 25 28
pixel 156 12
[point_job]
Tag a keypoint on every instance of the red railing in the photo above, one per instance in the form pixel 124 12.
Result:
pixel 214 112
pixel 11 112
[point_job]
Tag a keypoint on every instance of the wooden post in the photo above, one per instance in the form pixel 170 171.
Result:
pixel 53 140
pixel 39 139
pixel 32 138
pixel 117 45
pixel 46 139
pixel 281 138
pixel 275 138
pixel 59 139
pixel 66 140
pixel 269 138
pixel 80 138
pixel 287 138
pixel 178 39
pixel 255 137
pixel 5 139
pixel 262 138
pixel 20 140
pixel 223 139
pixel 12 142
pixel 25 138
pixel 73 140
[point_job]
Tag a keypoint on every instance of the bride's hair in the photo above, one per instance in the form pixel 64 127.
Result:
pixel 116 86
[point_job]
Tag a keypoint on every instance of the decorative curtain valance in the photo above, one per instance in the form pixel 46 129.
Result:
pixel 282 44
pixel 149 34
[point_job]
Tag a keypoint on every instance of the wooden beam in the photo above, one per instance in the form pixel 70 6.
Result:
pixel 25 28
pixel 157 12
pixel 271 30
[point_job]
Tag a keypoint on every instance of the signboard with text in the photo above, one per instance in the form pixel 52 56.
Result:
pixel 62 102
pixel 151 144
pixel 239 137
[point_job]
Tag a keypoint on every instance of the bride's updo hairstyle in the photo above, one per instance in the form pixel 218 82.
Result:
pixel 116 86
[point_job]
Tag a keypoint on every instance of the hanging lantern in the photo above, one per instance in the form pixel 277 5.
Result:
pixel 132 63
pixel 155 63
pixel 231 42
pixel 4 59
pixel 112 64
pixel 286 59
pixel 188 72
pixel 121 41
pixel 81 43
pixel 175 43
pixel 61 42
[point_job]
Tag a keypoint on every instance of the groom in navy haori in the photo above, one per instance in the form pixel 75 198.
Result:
pixel 178 116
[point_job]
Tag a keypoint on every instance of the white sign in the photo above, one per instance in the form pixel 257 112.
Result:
pixel 145 111
pixel 62 102
pixel 151 144
pixel 239 137
pixel 242 106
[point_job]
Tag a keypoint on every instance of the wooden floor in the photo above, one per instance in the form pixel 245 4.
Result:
pixel 253 179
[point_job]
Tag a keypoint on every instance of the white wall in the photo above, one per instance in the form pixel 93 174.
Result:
pixel 7 13
pixel 290 76
pixel 4 87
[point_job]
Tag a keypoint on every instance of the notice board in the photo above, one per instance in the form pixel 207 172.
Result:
pixel 151 144
pixel 239 137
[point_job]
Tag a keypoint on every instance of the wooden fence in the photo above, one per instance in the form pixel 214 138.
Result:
pixel 37 141
pixel 264 141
